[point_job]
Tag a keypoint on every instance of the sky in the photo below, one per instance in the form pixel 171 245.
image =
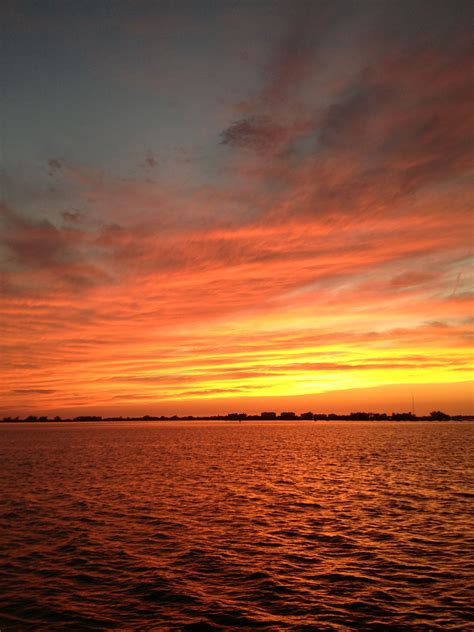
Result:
pixel 222 206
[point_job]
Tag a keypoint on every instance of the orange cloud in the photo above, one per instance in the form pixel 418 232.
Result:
pixel 323 247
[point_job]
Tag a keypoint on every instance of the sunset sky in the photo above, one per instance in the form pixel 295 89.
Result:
pixel 209 206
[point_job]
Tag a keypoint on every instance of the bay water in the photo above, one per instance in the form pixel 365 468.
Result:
pixel 221 526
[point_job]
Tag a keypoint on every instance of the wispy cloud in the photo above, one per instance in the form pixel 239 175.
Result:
pixel 319 243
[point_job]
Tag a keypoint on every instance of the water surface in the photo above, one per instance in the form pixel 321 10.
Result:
pixel 218 526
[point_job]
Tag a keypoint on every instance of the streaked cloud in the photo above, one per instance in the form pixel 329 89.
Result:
pixel 312 236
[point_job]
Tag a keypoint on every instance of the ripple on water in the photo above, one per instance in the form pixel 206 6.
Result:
pixel 253 526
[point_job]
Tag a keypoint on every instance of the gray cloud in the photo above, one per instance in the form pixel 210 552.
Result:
pixel 55 164
pixel 258 133
pixel 75 217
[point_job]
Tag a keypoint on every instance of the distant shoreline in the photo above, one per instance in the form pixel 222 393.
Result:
pixel 240 417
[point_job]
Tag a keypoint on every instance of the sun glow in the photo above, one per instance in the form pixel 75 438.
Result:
pixel 303 230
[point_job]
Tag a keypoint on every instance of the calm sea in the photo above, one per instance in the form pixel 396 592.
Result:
pixel 222 526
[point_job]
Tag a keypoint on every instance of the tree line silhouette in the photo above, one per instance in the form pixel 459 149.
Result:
pixel 435 415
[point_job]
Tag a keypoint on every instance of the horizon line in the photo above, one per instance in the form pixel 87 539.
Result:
pixel 435 415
